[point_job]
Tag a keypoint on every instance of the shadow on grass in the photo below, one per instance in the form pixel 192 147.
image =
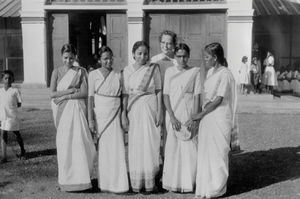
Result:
pixel 3 184
pixel 255 170
pixel 35 154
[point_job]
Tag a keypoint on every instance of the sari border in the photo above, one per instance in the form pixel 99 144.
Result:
pixel 177 190
pixel 75 187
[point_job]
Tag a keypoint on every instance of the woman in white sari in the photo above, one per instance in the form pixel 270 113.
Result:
pixel 104 110
pixel 142 97
pixel 75 148
pixel 216 125
pixel 182 90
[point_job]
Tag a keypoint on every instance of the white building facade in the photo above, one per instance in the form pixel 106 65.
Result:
pixel 89 24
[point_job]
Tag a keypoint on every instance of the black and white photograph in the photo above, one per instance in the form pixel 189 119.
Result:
pixel 150 99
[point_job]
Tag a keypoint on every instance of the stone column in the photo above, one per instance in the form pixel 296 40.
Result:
pixel 239 33
pixel 135 16
pixel 34 42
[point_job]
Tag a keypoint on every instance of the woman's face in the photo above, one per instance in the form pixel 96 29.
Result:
pixel 210 61
pixel 68 59
pixel 182 58
pixel 106 60
pixel 141 55
pixel 166 45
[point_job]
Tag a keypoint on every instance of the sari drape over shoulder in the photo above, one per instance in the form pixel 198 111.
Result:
pixel 112 175
pixel 143 135
pixel 215 133
pixel 179 172
pixel 75 148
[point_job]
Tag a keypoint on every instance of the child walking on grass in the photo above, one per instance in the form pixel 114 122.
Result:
pixel 10 100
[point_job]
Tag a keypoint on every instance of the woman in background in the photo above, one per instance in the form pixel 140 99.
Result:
pixel 244 75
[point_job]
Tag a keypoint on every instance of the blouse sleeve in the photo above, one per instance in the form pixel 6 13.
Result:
pixel 157 78
pixel 224 85
pixel 91 84
pixel 166 89
pixel 198 84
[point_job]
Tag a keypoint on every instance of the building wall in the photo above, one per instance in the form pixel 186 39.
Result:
pixel 238 40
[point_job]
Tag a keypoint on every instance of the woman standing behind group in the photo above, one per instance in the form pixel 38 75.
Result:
pixel 182 88
pixel 104 110
pixel 75 148
pixel 217 121
pixel 143 110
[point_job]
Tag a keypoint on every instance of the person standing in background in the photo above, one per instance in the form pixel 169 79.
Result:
pixel 269 76
pixel 244 75
pixel 165 59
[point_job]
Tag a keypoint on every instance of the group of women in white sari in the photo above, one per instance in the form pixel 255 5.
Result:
pixel 198 135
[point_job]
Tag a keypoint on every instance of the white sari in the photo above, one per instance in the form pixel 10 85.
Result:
pixel 112 169
pixel 75 147
pixel 179 172
pixel 143 135
pixel 215 134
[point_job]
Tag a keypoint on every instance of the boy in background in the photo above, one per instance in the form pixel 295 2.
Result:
pixel 10 100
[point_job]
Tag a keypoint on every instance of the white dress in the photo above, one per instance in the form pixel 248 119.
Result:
pixel 270 77
pixel 179 172
pixel 112 169
pixel 244 74
pixel 9 100
pixel 143 134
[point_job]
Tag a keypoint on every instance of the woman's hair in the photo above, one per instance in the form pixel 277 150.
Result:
pixel 68 48
pixel 216 49
pixel 104 49
pixel 7 72
pixel 244 58
pixel 170 33
pixel 137 44
pixel 182 46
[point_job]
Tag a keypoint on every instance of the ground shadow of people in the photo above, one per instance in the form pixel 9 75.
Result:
pixel 35 154
pixel 254 170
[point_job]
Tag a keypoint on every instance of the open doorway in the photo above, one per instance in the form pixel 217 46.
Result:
pixel 88 32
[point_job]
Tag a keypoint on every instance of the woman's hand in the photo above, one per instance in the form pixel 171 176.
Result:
pixel 176 124
pixel 59 100
pixel 159 118
pixel 192 125
pixel 125 122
